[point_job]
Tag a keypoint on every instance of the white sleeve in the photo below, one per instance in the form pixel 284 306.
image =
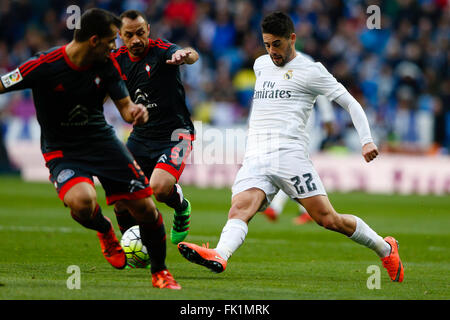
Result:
pixel 325 109
pixel 359 119
pixel 320 82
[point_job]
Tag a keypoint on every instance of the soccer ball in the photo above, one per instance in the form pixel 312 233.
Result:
pixel 136 252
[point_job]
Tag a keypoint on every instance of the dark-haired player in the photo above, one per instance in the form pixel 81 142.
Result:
pixel 151 72
pixel 287 85
pixel 69 85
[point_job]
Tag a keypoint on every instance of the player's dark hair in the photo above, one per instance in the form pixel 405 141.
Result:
pixel 278 24
pixel 96 22
pixel 133 14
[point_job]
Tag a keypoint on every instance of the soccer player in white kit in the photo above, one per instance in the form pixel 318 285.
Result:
pixel 276 157
pixel 327 117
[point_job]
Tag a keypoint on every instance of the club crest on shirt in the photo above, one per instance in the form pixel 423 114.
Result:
pixel 97 81
pixel 11 78
pixel 288 75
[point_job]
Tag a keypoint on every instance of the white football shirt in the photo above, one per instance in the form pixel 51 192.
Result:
pixel 282 102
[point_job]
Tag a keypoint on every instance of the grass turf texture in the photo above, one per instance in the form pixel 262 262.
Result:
pixel 278 261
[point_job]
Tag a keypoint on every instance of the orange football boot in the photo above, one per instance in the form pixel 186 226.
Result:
pixel 392 262
pixel 271 214
pixel 111 248
pixel 164 280
pixel 302 219
pixel 203 256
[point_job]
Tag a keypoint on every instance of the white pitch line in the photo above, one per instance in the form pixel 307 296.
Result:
pixel 82 230
pixel 42 229
pixel 251 240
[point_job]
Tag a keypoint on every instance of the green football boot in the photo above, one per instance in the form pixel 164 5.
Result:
pixel 180 227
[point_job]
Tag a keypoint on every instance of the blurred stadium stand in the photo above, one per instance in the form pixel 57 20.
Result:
pixel 399 73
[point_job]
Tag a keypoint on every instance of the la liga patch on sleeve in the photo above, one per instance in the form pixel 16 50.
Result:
pixel 11 78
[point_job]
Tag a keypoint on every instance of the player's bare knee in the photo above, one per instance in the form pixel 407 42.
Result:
pixel 82 201
pixel 161 190
pixel 83 207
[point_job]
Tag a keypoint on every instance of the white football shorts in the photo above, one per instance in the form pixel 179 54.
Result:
pixel 289 170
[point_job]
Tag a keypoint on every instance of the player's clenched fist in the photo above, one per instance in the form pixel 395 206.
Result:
pixel 369 151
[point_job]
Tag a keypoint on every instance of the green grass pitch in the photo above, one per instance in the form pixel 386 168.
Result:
pixel 278 261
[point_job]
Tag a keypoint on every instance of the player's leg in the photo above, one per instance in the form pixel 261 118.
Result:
pixel 244 206
pixel 276 206
pixel 140 152
pixel 75 188
pixel 303 216
pixel 82 201
pixel 81 198
pixel 153 235
pixel 164 167
pixel 126 185
pixel 321 210
pixel 124 218
pixel 166 190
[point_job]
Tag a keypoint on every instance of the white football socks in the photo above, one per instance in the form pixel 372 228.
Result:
pixel 232 237
pixel 367 237
pixel 235 230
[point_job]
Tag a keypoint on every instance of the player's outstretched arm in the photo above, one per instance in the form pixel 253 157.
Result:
pixel 187 55
pixel 321 82
pixel 135 114
pixel 359 119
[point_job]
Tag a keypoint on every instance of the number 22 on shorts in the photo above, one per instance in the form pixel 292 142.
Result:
pixel 310 186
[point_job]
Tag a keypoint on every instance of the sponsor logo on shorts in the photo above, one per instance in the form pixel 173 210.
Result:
pixel 65 175
pixel 136 185
pixel 163 159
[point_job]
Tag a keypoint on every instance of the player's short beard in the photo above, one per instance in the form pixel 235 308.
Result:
pixel 140 50
pixel 284 58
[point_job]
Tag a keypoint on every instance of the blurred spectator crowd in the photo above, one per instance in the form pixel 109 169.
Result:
pixel 399 73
